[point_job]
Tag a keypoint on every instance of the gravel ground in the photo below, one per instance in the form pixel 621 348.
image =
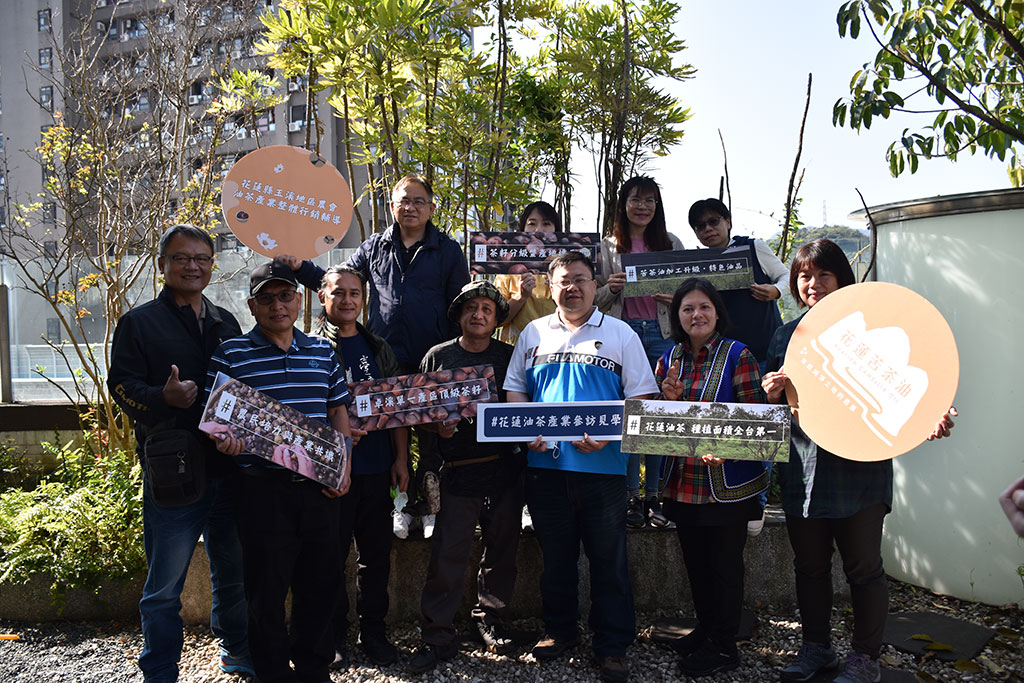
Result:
pixel 105 652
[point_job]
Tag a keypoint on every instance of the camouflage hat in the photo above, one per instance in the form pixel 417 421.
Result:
pixel 473 290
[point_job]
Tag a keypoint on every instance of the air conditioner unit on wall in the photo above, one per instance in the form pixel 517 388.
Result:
pixel 194 99
pixel 293 86
pixel 295 126
pixel 236 54
pixel 241 134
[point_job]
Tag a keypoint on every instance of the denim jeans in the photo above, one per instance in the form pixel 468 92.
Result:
pixel 655 345
pixel 569 507
pixel 170 537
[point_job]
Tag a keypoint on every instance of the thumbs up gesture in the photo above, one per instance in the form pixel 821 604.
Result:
pixel 178 394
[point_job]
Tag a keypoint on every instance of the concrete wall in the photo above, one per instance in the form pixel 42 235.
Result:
pixel 965 254
pixel 656 570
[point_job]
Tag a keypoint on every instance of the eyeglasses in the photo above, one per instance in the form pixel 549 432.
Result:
pixel 637 202
pixel 419 203
pixel 183 259
pixel 283 296
pixel 709 223
pixel 578 282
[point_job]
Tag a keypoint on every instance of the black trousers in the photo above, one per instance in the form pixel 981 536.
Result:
pixel 500 524
pixel 365 515
pixel 859 539
pixel 713 556
pixel 289 534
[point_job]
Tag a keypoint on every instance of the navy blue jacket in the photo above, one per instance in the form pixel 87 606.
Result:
pixel 147 341
pixel 409 308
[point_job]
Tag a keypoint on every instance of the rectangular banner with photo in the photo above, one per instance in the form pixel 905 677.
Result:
pixel 517 253
pixel 275 432
pixel 600 420
pixel 736 431
pixel 409 400
pixel 661 272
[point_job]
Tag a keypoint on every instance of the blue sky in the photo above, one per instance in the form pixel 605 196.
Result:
pixel 752 61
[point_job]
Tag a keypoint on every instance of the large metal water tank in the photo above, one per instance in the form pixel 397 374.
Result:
pixel 965 254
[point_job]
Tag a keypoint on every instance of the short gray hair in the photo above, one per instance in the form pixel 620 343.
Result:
pixel 185 230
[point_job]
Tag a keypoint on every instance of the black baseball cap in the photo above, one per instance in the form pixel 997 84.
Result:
pixel 268 272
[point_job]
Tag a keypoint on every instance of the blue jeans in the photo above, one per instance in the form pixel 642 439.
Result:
pixel 569 507
pixel 655 345
pixel 170 536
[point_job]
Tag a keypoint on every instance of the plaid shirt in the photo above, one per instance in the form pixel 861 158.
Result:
pixel 689 480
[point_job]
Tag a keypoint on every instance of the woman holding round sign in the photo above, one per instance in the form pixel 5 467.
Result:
pixel 639 228
pixel 710 499
pixel 827 498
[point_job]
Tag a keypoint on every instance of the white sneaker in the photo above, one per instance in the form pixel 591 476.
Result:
pixel 755 526
pixel 400 523
pixel 527 519
pixel 428 525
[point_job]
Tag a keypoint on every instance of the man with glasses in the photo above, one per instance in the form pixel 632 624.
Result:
pixel 158 365
pixel 413 271
pixel 576 491
pixel 288 523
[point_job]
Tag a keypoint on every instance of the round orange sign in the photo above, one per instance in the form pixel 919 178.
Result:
pixel 872 367
pixel 286 200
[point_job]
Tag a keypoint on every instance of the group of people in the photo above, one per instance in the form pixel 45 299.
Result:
pixel 268 530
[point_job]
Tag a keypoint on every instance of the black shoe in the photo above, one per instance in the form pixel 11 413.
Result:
pixel 708 660
pixel 341 660
pixel 427 656
pixel 655 515
pixel 635 517
pixel 379 649
pixel 549 647
pixel 495 638
pixel 613 669
pixel 689 643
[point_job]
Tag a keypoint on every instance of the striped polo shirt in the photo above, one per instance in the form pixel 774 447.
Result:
pixel 306 377
pixel 601 361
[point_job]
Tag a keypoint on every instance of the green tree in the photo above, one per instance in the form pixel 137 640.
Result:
pixel 965 56
pixel 126 156
pixel 609 56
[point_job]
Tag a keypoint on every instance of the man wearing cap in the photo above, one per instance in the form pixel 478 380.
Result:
pixel 480 483
pixel 576 490
pixel 288 523
pixel 157 369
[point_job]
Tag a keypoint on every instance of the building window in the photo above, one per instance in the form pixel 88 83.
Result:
pixel 44 19
pixel 3 217
pixel 50 214
pixel 53 330
pixel 297 114
pixel 46 58
pixel 46 98
pixel 265 120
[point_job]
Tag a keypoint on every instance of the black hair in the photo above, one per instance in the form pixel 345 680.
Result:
pixel 702 206
pixel 419 180
pixel 348 270
pixel 547 212
pixel 701 285
pixel 824 254
pixel 570 257
pixel 655 234
pixel 185 230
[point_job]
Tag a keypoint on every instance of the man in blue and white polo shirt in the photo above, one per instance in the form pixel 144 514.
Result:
pixel 577 490
pixel 288 524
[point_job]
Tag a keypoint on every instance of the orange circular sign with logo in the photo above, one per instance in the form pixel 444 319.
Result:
pixel 872 367
pixel 286 200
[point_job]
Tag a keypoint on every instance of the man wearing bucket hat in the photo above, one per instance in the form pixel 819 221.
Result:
pixel 480 483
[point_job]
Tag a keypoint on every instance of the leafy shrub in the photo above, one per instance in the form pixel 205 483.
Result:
pixel 82 523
